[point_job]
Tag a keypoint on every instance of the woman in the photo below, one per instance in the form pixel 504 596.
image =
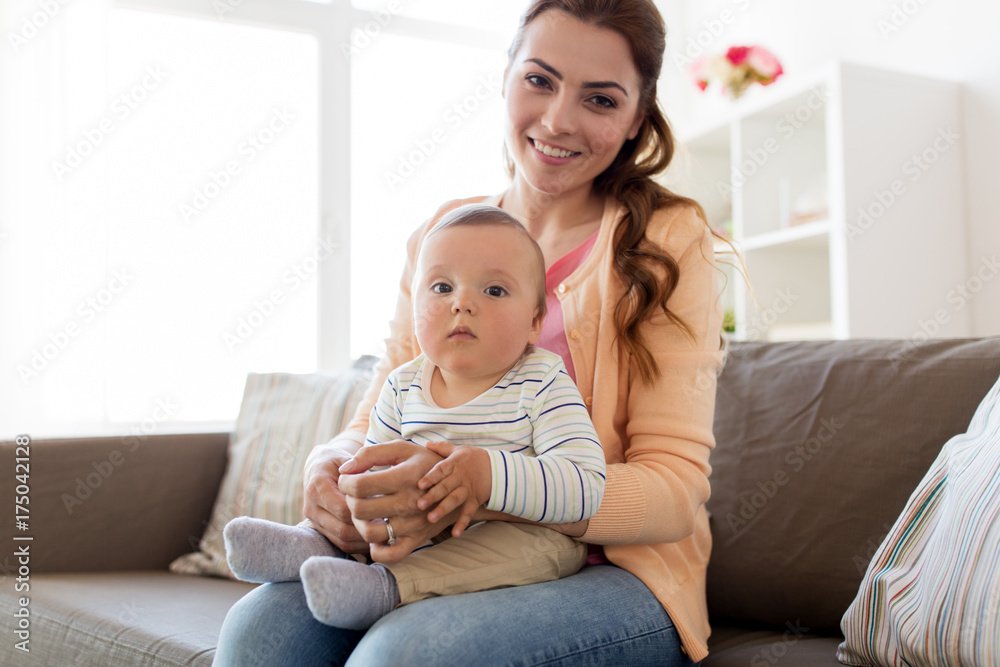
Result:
pixel 633 311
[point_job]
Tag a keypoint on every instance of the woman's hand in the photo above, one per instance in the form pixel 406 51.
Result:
pixel 323 502
pixel 461 481
pixel 391 493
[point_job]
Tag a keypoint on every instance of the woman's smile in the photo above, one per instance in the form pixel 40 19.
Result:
pixel 555 154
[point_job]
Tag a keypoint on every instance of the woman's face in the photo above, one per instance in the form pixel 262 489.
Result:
pixel 572 97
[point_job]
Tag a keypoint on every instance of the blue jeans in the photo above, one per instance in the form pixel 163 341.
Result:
pixel 600 616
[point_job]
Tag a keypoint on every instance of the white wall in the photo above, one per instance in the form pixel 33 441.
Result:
pixel 949 39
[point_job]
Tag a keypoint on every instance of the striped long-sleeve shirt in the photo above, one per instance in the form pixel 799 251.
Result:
pixel 546 460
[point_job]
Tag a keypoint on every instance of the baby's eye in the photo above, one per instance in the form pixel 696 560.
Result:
pixel 496 290
pixel 441 288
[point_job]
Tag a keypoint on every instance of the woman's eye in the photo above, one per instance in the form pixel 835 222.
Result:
pixel 441 288
pixel 496 291
pixel 604 102
pixel 537 80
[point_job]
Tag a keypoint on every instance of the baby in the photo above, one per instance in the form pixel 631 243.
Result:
pixel 528 446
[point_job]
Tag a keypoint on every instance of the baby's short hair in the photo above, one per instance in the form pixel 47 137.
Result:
pixel 470 215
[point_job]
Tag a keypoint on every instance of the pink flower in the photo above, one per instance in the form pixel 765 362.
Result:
pixel 737 70
pixel 764 63
pixel 737 54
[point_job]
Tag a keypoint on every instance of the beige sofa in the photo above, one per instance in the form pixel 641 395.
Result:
pixel 819 446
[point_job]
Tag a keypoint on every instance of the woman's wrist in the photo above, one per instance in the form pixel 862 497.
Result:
pixel 348 442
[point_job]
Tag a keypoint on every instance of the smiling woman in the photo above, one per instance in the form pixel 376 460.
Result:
pixel 641 320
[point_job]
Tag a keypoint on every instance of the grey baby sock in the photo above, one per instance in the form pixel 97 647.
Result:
pixel 263 551
pixel 348 594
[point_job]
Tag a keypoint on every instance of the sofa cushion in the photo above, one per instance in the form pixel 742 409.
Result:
pixel 282 417
pixel 930 594
pixel 130 502
pixel 144 619
pixel 819 445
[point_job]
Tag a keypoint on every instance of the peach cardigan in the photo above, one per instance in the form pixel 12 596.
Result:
pixel 656 437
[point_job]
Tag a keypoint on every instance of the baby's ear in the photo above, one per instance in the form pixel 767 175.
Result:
pixel 536 327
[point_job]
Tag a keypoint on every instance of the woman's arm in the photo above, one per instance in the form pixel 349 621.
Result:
pixel 655 493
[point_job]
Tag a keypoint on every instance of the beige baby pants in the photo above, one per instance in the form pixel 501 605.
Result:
pixel 491 554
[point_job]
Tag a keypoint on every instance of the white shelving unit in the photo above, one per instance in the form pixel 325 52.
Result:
pixel 846 199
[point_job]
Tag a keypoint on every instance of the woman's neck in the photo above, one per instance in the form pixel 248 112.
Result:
pixel 545 214
pixel 558 223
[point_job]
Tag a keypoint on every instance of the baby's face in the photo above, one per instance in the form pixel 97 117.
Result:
pixel 475 299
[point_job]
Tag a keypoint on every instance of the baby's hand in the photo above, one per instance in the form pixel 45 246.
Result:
pixel 462 480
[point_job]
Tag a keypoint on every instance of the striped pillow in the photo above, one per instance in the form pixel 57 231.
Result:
pixel 931 595
pixel 281 418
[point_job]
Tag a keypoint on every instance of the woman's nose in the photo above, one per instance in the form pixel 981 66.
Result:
pixel 560 114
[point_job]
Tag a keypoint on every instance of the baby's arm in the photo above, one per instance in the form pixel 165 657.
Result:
pixel 564 481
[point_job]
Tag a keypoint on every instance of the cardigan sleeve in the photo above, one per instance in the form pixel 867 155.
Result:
pixel 654 495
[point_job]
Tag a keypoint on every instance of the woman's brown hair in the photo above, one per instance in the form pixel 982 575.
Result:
pixel 630 177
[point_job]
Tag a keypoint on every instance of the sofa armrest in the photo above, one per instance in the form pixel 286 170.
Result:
pixel 115 503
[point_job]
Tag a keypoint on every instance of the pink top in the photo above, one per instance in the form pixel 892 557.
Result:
pixel 553 336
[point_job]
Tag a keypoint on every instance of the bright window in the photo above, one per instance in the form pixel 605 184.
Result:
pixel 178 185
pixel 427 127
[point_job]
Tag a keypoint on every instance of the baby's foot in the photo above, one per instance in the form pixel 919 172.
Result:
pixel 348 594
pixel 263 551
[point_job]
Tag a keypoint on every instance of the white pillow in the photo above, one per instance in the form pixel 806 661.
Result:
pixel 282 417
pixel 931 595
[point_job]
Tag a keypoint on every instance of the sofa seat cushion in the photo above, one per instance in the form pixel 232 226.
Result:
pixel 143 618
pixel 733 646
